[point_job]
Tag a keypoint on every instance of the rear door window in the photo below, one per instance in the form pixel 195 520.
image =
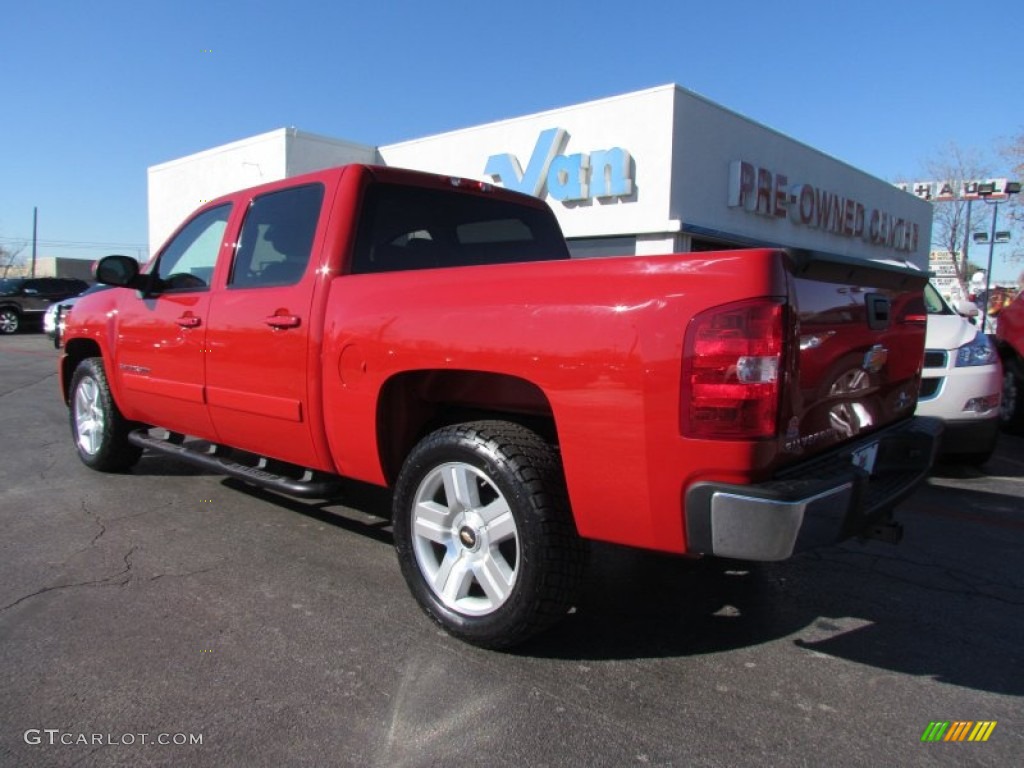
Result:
pixel 277 237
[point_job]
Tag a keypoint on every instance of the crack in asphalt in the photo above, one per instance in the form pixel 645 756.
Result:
pixel 127 567
pixel 96 519
pixel 47 468
pixel 30 384
pixel 107 581
pixel 140 514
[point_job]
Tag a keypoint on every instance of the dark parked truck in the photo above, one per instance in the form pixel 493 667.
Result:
pixel 24 300
pixel 432 335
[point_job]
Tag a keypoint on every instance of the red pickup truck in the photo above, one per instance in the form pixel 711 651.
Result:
pixel 432 335
pixel 1010 343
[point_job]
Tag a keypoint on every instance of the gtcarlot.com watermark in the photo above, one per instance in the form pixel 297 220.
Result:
pixel 56 737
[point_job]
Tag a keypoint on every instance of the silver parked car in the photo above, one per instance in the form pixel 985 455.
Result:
pixel 53 320
pixel 961 384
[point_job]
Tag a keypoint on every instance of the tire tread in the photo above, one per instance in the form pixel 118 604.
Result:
pixel 116 454
pixel 537 467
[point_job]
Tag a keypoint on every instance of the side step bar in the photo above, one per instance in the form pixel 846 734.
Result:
pixel 311 485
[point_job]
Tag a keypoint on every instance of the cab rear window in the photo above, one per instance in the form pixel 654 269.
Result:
pixel 404 228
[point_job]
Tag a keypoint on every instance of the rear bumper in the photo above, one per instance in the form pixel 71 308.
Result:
pixel 818 502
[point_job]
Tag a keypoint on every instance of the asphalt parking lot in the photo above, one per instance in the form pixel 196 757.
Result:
pixel 172 617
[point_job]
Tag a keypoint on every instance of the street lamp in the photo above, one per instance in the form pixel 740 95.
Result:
pixel 985 191
pixel 1002 236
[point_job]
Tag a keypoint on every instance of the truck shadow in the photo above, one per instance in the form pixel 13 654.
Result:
pixel 1006 461
pixel 946 604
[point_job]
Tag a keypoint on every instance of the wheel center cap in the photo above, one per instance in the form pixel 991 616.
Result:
pixel 468 537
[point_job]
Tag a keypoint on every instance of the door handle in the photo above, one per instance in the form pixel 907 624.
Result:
pixel 283 321
pixel 188 321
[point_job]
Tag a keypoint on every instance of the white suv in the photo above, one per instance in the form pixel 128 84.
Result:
pixel 961 384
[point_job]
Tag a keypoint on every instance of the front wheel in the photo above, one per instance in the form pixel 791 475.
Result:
pixel 99 430
pixel 10 320
pixel 484 535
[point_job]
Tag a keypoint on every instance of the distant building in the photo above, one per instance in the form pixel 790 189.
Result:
pixel 54 266
pixel 656 171
pixel 178 187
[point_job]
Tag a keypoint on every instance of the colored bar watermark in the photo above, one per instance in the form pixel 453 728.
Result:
pixel 958 730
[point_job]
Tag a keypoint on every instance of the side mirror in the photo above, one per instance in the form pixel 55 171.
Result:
pixel 966 308
pixel 120 271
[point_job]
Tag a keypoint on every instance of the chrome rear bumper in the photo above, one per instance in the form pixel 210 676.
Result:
pixel 818 502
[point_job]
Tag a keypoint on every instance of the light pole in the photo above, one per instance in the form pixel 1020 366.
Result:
pixel 985 192
pixel 967 241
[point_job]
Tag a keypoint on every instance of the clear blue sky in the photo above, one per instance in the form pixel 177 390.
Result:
pixel 95 92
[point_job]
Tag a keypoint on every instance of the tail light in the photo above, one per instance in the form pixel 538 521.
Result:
pixel 732 363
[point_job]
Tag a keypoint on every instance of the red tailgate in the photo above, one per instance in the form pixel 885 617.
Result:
pixel 857 351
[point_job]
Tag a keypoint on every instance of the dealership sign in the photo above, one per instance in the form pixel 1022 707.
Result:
pixel 947 191
pixel 603 173
pixel 771 194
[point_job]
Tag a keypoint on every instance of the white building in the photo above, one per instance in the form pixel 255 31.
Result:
pixel 655 171
pixel 51 266
pixel 180 186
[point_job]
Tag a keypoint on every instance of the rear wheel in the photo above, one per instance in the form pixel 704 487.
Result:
pixel 10 320
pixel 97 426
pixel 484 535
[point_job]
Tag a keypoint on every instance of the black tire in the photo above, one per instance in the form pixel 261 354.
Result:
pixel 10 320
pixel 1011 407
pixel 99 430
pixel 504 561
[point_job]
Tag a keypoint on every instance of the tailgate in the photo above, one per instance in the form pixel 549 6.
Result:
pixel 858 345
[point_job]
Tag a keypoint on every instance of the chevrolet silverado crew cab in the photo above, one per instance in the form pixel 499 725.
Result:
pixel 431 335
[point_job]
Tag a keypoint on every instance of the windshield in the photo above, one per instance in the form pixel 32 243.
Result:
pixel 9 287
pixel 934 302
